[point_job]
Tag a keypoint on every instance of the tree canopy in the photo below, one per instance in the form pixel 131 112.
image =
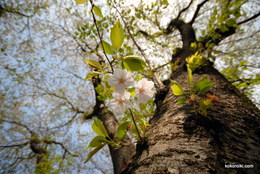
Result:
pixel 66 65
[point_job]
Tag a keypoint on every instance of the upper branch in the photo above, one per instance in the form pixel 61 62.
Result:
pixel 62 146
pixel 249 19
pixel 16 145
pixel 19 124
pixel 183 10
pixel 197 11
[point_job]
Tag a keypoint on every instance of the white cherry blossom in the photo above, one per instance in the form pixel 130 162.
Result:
pixel 120 102
pixel 144 91
pixel 121 79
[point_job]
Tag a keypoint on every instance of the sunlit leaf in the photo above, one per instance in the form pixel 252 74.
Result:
pixel 177 89
pixel 203 85
pixel 182 100
pixel 92 74
pixel 133 63
pixel 132 91
pixel 93 152
pixel 97 11
pixel 81 1
pixel 97 141
pixel 93 63
pixel 107 48
pixel 99 128
pixel 122 130
pixel 117 35
pixel 189 75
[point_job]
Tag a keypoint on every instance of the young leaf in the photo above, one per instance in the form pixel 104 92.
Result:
pixel 93 63
pixel 132 91
pixel 81 1
pixel 93 152
pixel 203 85
pixel 97 11
pixel 99 128
pixel 97 141
pixel 182 100
pixel 122 130
pixel 117 35
pixel 177 89
pixel 92 74
pixel 107 48
pixel 189 75
pixel 133 63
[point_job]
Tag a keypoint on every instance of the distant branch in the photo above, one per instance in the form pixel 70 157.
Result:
pixel 15 145
pixel 197 11
pixel 183 10
pixel 19 124
pixel 62 146
pixel 249 19
pixel 11 10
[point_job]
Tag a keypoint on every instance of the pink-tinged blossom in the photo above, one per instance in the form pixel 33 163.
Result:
pixel 121 79
pixel 144 90
pixel 120 102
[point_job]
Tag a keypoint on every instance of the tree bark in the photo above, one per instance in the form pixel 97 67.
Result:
pixel 179 141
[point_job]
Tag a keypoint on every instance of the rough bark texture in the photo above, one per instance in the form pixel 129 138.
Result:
pixel 181 142
pixel 120 156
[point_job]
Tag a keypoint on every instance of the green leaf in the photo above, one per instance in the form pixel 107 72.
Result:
pixel 203 85
pixel 93 152
pixel 133 63
pixel 189 75
pixel 117 35
pixel 231 22
pixel 93 63
pixel 81 1
pixel 99 128
pixel 122 130
pixel 97 11
pixel 132 91
pixel 92 74
pixel 177 89
pixel 182 100
pixel 107 48
pixel 97 141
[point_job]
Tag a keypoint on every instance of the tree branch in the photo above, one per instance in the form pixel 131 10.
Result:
pixel 99 35
pixel 197 11
pixel 62 146
pixel 249 19
pixel 19 124
pixel 16 145
pixel 183 10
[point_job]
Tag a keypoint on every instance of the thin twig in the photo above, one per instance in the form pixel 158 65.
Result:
pixel 249 19
pixel 156 76
pixel 99 35
pixel 133 118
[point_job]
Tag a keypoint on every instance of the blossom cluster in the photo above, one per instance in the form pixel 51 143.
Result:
pixel 121 80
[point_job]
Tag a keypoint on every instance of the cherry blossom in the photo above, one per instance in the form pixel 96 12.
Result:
pixel 121 79
pixel 120 102
pixel 144 90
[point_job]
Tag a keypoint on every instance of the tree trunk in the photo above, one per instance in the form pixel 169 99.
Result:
pixel 181 142
pixel 120 156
